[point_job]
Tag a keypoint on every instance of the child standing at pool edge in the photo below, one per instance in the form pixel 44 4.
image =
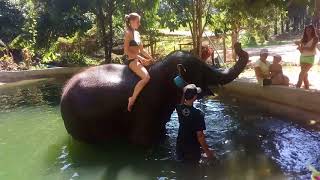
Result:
pixel 190 135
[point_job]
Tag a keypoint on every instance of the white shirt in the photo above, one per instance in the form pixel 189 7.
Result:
pixel 264 68
pixel 308 52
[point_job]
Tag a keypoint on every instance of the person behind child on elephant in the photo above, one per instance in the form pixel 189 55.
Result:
pixel 137 56
pixel 277 76
pixel 307 48
pixel 261 67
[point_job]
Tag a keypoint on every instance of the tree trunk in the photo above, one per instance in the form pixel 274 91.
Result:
pixel 317 8
pixel 276 25
pixel 109 43
pixel 295 24
pixel 288 25
pixel 152 44
pixel 282 23
pixel 224 48
pixel 234 40
pixel 199 20
pixel 196 26
pixel 317 15
pixel 303 22
pixel 102 29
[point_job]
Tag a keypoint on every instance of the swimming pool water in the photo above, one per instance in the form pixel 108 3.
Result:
pixel 250 144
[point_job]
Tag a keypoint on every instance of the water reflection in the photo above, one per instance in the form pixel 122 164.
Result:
pixel 292 147
pixel 33 94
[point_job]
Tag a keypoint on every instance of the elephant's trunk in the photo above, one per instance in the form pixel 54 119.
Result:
pixel 215 76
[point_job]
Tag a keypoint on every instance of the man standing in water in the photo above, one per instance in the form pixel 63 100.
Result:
pixel 190 135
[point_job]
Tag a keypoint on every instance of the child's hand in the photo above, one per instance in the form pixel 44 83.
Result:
pixel 147 62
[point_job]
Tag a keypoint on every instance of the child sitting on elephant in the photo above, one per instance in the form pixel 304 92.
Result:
pixel 190 135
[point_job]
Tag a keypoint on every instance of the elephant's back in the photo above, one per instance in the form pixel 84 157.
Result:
pixel 94 100
pixel 98 90
pixel 106 79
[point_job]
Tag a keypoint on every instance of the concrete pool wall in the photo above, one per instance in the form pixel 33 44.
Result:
pixel 13 76
pixel 298 104
pixel 293 103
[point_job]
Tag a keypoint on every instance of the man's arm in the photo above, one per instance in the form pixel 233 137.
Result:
pixel 258 72
pixel 202 140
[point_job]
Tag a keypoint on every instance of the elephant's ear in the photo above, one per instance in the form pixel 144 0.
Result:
pixel 181 69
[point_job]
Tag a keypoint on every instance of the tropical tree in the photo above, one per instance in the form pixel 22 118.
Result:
pixel 248 15
pixel 195 14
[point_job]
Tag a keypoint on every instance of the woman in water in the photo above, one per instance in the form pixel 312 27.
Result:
pixel 307 48
pixel 133 48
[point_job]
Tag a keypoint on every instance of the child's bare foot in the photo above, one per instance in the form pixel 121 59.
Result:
pixel 131 101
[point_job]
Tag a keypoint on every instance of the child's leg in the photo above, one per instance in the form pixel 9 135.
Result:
pixel 286 80
pixel 277 80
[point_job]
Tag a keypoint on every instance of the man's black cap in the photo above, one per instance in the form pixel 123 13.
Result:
pixel 190 91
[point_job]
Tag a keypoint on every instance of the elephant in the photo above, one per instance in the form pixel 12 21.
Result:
pixel 94 102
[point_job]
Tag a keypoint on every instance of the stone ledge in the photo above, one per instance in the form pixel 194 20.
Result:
pixel 13 76
pixel 281 100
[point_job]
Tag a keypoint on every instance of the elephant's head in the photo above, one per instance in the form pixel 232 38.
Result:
pixel 192 70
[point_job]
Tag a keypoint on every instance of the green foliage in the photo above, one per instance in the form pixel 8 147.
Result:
pixel 69 59
pixel 18 43
pixel 11 20
pixel 52 24
pixel 248 39
pixel 189 13
pixel 49 57
pixel 168 17
pixel 73 59
pixel 73 50
pixel 118 59
pixel 69 30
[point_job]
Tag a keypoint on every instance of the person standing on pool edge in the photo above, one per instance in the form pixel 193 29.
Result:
pixel 307 47
pixel 190 135
pixel 133 49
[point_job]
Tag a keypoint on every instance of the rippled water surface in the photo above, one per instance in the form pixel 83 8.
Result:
pixel 249 143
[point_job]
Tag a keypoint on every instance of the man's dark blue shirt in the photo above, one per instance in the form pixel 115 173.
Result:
pixel 191 120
